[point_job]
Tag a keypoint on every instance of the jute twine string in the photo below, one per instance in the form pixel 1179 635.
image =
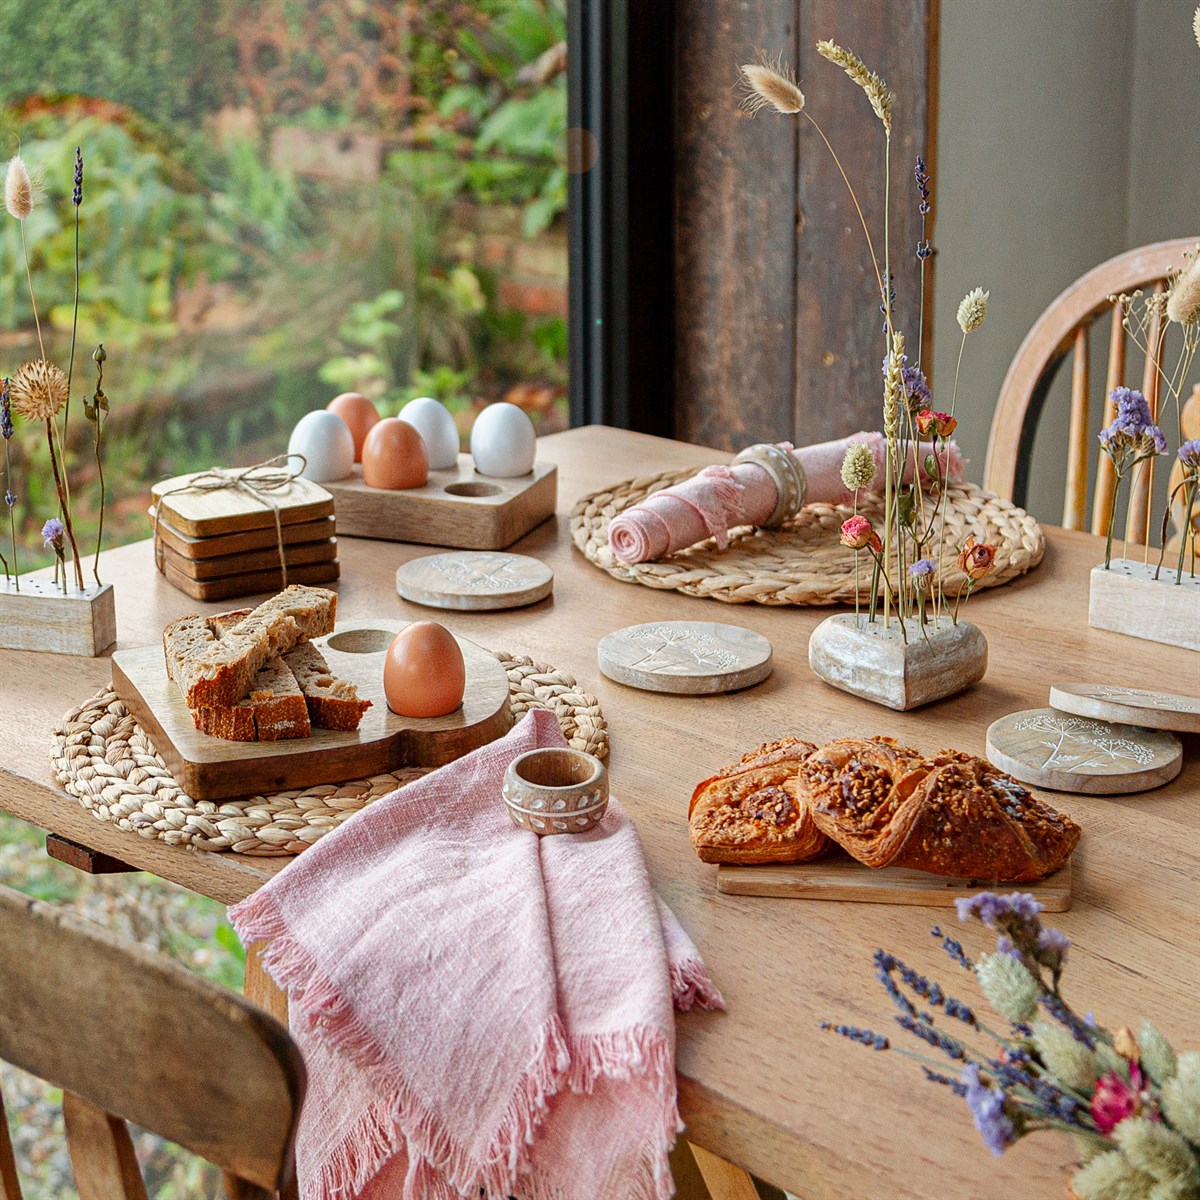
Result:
pixel 801 562
pixel 104 759
pixel 257 482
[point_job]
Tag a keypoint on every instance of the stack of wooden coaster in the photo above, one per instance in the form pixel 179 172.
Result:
pixel 221 543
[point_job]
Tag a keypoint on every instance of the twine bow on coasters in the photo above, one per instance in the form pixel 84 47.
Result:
pixel 258 483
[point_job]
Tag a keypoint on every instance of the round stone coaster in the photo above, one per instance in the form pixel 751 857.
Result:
pixel 1134 706
pixel 1050 749
pixel 474 580
pixel 692 658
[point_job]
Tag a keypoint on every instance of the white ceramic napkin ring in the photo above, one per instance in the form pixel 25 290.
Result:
pixel 555 790
pixel 785 469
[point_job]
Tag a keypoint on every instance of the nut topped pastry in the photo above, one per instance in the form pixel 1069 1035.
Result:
pixel 745 813
pixel 949 814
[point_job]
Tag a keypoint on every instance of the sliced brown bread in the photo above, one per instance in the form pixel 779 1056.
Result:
pixel 332 703
pixel 220 671
pixel 274 709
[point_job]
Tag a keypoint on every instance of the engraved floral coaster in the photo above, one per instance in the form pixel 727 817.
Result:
pixel 692 658
pixel 475 580
pixel 1050 749
pixel 1135 706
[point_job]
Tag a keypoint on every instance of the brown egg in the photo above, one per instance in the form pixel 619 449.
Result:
pixel 424 674
pixel 359 414
pixel 394 456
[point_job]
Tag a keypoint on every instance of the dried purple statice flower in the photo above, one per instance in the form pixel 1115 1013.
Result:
pixel 988 1110
pixel 1133 428
pixel 916 387
pixel 53 533
pixel 991 908
pixel 1189 456
pixel 1053 945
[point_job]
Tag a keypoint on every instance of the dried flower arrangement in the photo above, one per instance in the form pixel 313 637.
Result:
pixel 908 559
pixel 40 392
pixel 1134 437
pixel 1130 1102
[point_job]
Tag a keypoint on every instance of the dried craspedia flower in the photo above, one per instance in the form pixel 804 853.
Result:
pixel 1010 988
pixel 769 84
pixel 38 390
pixel 876 89
pixel 972 311
pixel 1183 300
pixel 858 467
pixel 18 188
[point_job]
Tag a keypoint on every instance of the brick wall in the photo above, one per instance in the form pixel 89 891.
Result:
pixel 531 273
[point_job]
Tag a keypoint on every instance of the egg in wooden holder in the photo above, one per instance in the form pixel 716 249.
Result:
pixel 486 503
pixel 424 674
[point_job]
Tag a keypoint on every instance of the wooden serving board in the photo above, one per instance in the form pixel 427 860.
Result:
pixel 207 514
pixel 244 541
pixel 209 768
pixel 252 583
pixel 457 507
pixel 839 877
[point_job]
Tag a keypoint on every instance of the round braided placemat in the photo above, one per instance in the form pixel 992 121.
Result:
pixel 104 759
pixel 802 562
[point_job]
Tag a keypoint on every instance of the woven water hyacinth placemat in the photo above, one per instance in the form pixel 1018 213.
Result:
pixel 802 562
pixel 104 759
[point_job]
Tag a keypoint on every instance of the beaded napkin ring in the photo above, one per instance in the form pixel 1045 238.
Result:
pixel 786 473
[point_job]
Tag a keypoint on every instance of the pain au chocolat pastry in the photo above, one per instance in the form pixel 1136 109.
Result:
pixel 949 813
pixel 744 813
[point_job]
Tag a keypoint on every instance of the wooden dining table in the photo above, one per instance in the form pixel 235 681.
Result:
pixel 762 1085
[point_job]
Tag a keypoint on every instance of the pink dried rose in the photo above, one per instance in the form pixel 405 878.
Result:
pixel 1116 1098
pixel 937 424
pixel 859 534
pixel 976 559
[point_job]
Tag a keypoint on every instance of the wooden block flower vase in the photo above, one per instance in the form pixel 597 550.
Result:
pixel 37 614
pixel 900 667
pixel 1126 598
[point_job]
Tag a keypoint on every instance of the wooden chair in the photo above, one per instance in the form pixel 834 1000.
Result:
pixel 1064 327
pixel 129 1035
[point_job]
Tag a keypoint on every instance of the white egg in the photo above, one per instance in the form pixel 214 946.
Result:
pixel 503 442
pixel 432 420
pixel 327 444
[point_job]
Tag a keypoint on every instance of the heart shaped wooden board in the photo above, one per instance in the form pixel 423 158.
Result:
pixel 210 768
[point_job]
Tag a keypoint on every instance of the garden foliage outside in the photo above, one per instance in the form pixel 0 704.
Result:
pixel 284 199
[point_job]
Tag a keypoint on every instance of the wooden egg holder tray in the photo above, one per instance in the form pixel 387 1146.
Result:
pixel 457 507
pixel 210 768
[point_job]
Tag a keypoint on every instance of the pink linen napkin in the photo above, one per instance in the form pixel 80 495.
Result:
pixel 718 498
pixel 481 1011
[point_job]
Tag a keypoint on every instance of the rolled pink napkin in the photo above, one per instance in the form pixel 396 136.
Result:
pixel 718 499
pixel 482 1013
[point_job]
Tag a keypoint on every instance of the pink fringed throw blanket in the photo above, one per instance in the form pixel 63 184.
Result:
pixel 482 1011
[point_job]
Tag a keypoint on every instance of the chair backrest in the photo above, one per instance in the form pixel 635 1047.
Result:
pixel 1064 327
pixel 129 1035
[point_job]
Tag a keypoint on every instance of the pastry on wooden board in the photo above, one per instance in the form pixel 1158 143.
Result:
pixel 211 670
pixel 744 814
pixel 949 814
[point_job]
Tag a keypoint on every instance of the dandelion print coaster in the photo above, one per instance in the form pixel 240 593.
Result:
pixel 1050 749
pixel 1135 706
pixel 691 658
